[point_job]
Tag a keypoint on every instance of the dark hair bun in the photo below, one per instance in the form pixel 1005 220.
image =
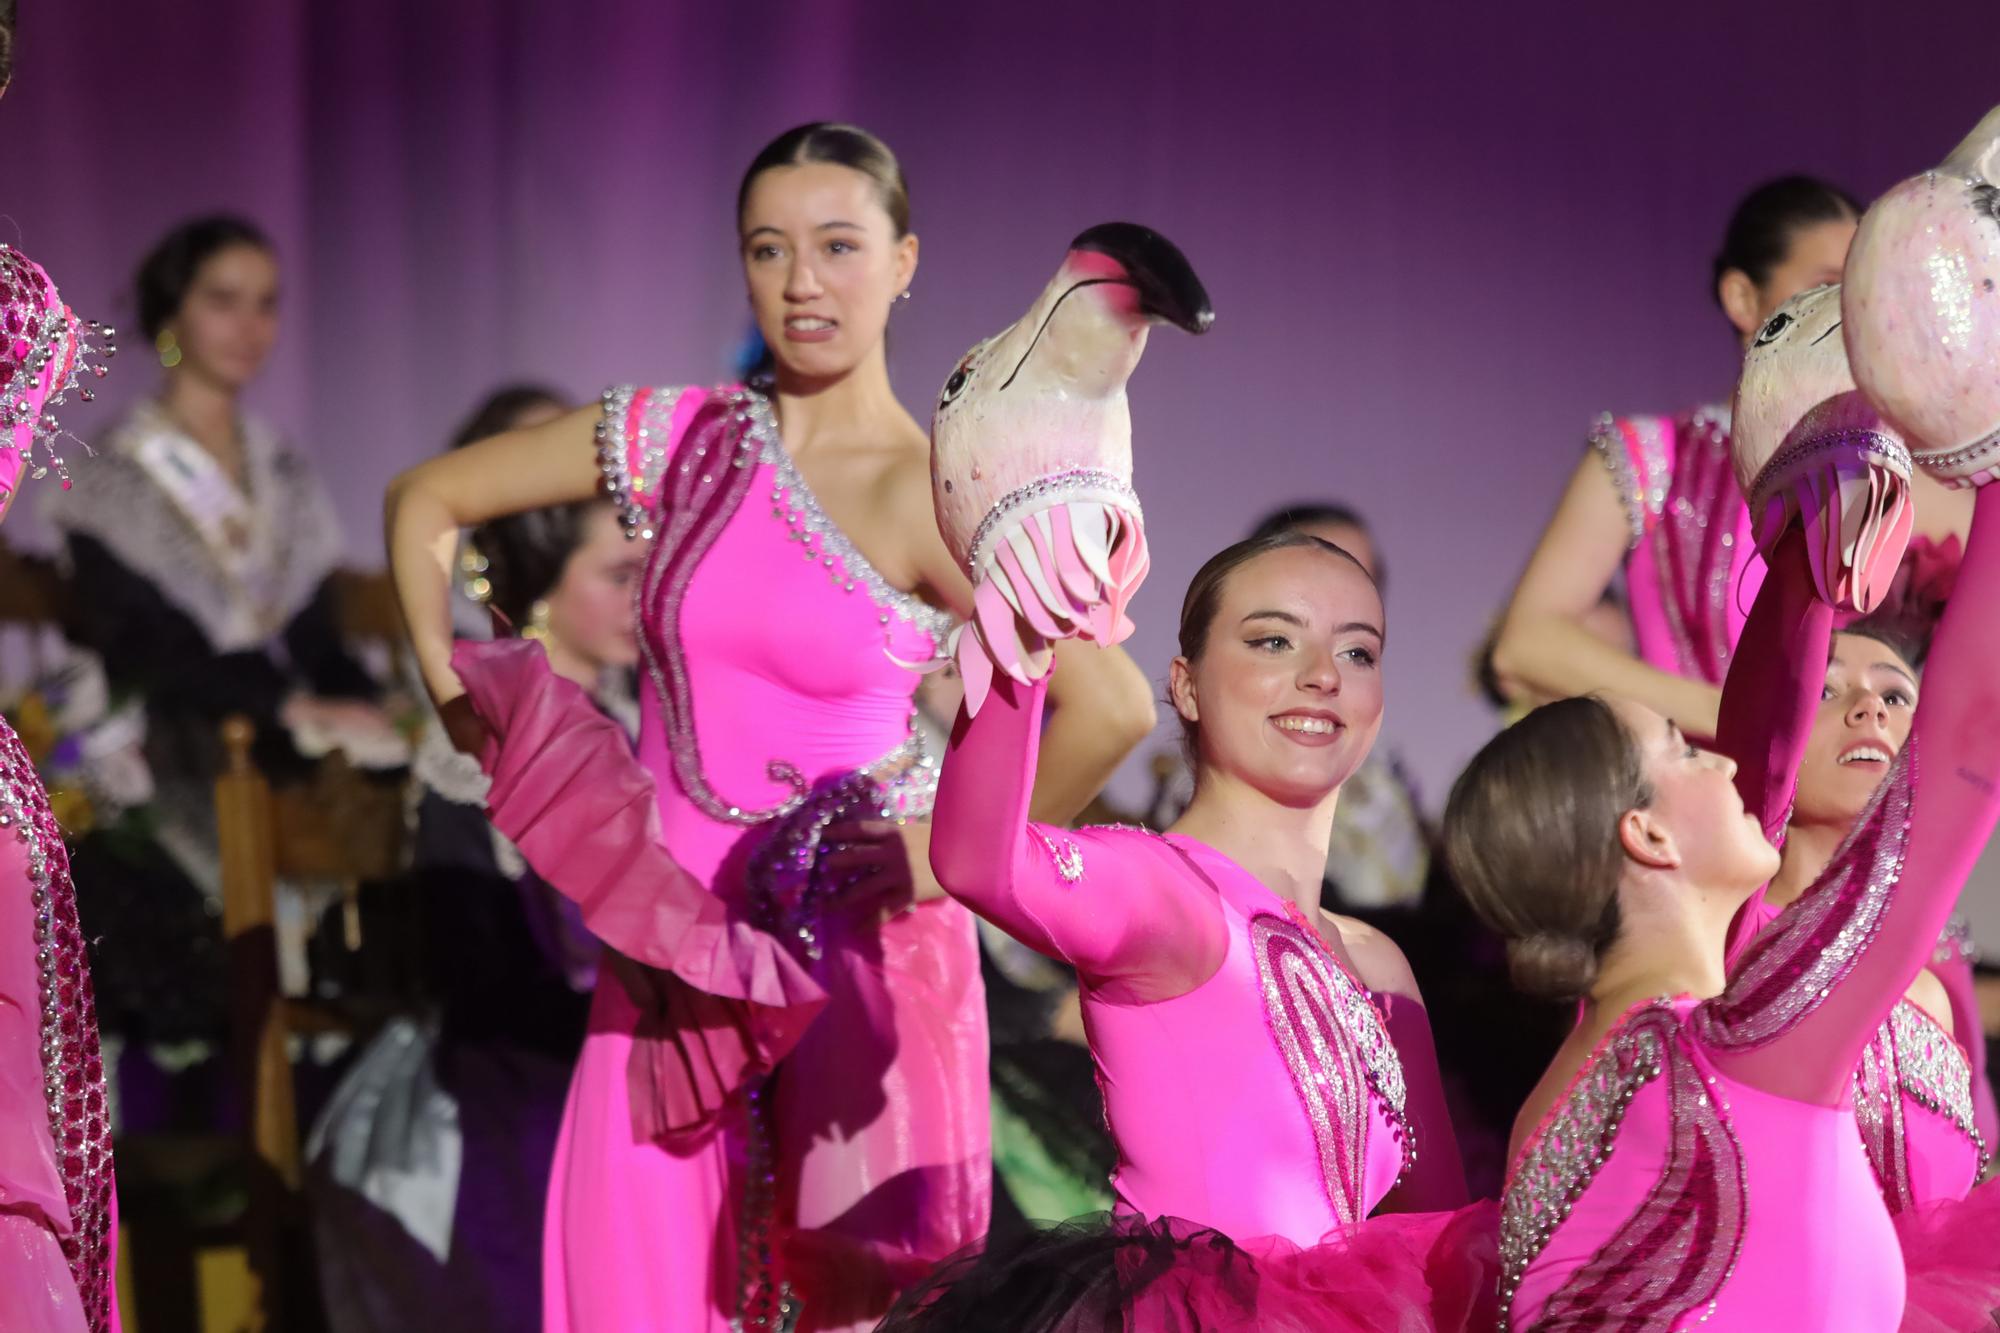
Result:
pixel 1552 967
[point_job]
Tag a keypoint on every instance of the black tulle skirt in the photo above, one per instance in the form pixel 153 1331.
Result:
pixel 1110 1273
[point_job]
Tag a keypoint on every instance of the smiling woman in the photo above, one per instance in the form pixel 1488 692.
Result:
pixel 1319 1107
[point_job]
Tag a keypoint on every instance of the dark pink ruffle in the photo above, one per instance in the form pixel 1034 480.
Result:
pixel 723 1000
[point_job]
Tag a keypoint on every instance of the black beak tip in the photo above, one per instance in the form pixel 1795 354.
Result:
pixel 1168 287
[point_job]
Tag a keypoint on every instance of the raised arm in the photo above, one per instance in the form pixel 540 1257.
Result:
pixel 1772 693
pixel 550 464
pixel 1118 906
pixel 1100 704
pixel 1543 645
pixel 1810 993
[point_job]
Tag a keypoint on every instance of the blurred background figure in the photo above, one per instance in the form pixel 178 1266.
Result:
pixel 201 545
pixel 431 1160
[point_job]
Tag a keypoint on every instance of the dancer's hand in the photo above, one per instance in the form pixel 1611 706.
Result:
pixel 887 865
pixel 463 725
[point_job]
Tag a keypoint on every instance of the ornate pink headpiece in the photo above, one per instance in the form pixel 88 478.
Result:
pixel 1922 309
pixel 1809 449
pixel 46 353
pixel 1031 455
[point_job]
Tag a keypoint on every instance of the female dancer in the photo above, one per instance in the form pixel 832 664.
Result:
pixel 1267 1067
pixel 1659 498
pixel 58 1216
pixel 1675 517
pixel 1613 855
pixel 1809 776
pixel 794 561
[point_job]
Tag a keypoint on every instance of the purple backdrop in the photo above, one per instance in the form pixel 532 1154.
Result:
pixel 1438 239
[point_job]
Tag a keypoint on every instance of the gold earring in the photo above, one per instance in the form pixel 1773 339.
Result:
pixel 168 347
pixel 538 621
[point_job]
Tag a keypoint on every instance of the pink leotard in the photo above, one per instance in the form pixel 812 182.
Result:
pixel 1251 1083
pixel 1706 1166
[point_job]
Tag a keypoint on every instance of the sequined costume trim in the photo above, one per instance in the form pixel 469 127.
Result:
pixel 72 1066
pixel 1794 964
pixel 1910 1056
pixel 1955 943
pixel 1694 544
pixel 825 543
pixel 1674 1253
pixel 1338 1051
pixel 46 354
pixel 632 451
pixel 1641 483
pixel 696 487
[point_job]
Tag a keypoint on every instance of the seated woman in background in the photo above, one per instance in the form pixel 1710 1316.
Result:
pixel 201 546
pixel 434 1217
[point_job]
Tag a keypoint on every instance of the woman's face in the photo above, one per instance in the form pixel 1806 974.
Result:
pixel 591 606
pixel 1817 256
pixel 228 319
pixel 1865 711
pixel 1719 844
pixel 824 264
pixel 1288 690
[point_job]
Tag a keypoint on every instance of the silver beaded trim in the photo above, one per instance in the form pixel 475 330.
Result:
pixel 1933 1070
pixel 72 1068
pixel 1980 453
pixel 1059 487
pixel 1640 496
pixel 823 541
pixel 632 456
pixel 53 334
pixel 1873 444
pixel 1700 1187
pixel 1816 941
pixel 1341 1058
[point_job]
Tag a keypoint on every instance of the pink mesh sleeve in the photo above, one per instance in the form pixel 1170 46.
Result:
pixel 1810 992
pixel 1772 692
pixel 1116 904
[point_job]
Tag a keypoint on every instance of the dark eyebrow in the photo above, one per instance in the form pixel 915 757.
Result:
pixel 824 226
pixel 1351 627
pixel 1891 666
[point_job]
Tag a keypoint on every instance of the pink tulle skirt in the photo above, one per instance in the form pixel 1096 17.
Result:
pixel 1951 1251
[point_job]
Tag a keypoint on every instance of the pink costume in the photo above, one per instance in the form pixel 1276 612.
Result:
pixel 1252 1085
pixel 1706 1165
pixel 775 710
pixel 1912 1091
pixel 1691 566
pixel 58 1213
pixel 1692 570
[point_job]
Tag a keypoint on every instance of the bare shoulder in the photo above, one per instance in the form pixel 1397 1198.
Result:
pixel 1378 963
pixel 1929 995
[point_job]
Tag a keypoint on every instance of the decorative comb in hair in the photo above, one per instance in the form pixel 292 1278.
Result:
pixel 1810 450
pixel 46 354
pixel 1921 310
pixel 1031 455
